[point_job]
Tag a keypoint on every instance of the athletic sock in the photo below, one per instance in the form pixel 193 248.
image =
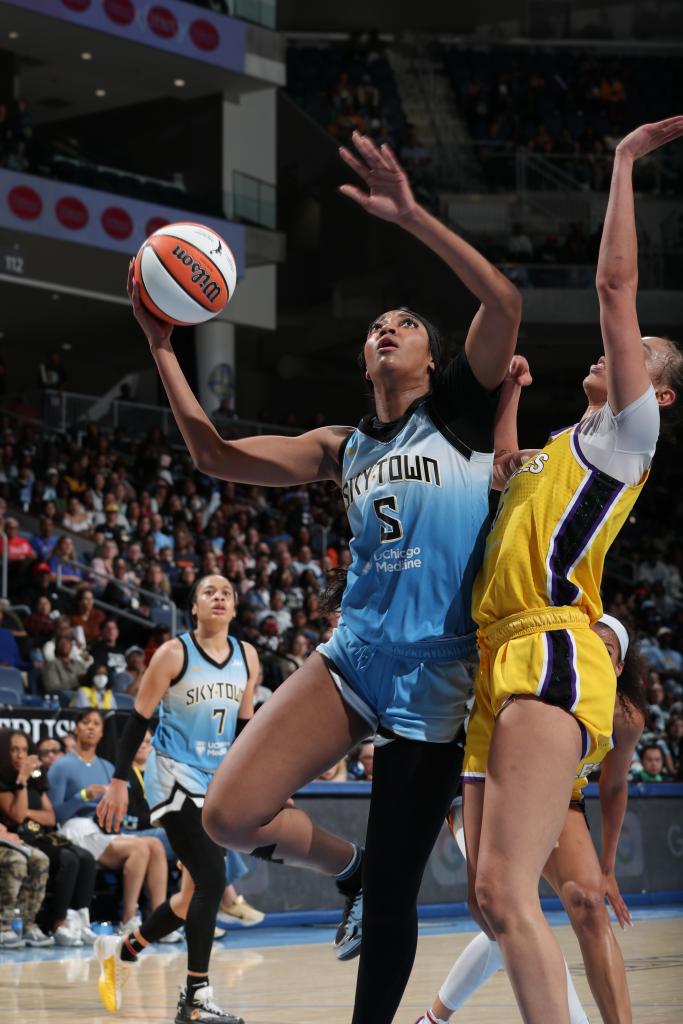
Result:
pixel 349 880
pixel 475 965
pixel 130 948
pixel 194 983
pixel 577 1014
pixel 431 1018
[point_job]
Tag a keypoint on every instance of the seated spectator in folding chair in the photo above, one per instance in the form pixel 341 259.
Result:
pixel 62 673
pixel 23 880
pixel 77 782
pixel 107 650
pixel 86 615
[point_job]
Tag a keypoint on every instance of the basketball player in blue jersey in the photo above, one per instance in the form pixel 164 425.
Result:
pixel 203 683
pixel 415 479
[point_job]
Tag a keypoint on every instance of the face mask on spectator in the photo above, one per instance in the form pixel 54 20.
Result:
pixel 100 680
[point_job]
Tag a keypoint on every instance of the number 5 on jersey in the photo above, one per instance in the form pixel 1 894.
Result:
pixel 391 528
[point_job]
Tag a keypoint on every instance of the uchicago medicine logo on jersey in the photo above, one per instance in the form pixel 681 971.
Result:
pixel 398 559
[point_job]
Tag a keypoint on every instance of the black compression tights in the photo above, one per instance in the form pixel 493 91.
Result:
pixel 205 861
pixel 412 789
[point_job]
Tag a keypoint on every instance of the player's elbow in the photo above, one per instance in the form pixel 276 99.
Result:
pixel 612 287
pixel 508 300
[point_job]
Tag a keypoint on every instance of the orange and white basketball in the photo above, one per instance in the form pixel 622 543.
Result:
pixel 186 273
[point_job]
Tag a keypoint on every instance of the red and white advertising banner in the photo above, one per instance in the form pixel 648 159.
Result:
pixel 169 25
pixel 43 206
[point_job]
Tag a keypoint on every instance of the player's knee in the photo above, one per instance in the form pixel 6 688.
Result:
pixel 226 822
pixel 495 903
pixel 586 908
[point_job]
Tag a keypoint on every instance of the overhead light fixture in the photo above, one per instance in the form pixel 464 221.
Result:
pixel 86 56
pixel 100 92
pixel 179 82
pixel 13 35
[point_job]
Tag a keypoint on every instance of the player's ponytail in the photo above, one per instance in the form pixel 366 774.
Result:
pixel 630 688
pixel 330 599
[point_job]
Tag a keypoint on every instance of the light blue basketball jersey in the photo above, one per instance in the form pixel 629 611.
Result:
pixel 198 715
pixel 418 510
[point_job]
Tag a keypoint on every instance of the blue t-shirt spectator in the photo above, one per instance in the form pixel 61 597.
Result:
pixel 9 651
pixel 69 777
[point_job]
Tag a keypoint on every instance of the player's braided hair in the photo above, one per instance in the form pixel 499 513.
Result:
pixel 630 688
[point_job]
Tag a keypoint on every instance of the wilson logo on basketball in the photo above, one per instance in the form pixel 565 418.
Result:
pixel 162 22
pixel 199 275
pixel 25 202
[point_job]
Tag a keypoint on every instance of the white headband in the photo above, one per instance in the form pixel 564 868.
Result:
pixel 619 630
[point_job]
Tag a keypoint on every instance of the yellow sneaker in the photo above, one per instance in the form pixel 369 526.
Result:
pixel 242 913
pixel 113 970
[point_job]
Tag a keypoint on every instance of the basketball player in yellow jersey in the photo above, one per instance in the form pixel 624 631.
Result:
pixel 545 676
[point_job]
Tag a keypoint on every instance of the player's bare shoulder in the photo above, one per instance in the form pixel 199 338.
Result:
pixel 169 659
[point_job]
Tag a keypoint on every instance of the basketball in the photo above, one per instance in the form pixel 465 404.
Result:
pixel 186 273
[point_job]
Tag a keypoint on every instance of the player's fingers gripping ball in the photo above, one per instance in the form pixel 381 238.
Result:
pixel 186 273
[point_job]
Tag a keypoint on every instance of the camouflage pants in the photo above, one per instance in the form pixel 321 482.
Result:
pixel 22 884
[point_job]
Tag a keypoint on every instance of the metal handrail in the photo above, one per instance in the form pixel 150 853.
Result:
pixel 166 601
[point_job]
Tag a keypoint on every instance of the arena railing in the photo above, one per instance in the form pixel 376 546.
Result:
pixel 88 572
pixel 62 411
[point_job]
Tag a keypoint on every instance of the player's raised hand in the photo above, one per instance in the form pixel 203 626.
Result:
pixel 648 137
pixel 388 194
pixel 519 372
pixel 158 332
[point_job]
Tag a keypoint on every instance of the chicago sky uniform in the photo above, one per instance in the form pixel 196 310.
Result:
pixel 197 722
pixel 416 493
pixel 539 587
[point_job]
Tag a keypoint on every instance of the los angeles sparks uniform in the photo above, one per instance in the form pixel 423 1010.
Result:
pixel 539 587
pixel 197 722
pixel 416 494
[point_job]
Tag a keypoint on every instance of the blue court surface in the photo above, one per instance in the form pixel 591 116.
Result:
pixel 266 936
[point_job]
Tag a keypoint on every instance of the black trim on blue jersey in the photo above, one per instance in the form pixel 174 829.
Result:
pixel 176 679
pixel 387 431
pixel 244 653
pixel 178 788
pixel 207 657
pixel 447 433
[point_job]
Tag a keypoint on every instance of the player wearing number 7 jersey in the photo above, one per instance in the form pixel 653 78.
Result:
pixel 203 683
pixel 415 477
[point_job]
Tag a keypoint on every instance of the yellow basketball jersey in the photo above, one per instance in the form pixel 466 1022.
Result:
pixel 556 521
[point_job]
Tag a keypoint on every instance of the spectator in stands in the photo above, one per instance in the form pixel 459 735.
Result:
pixel 118 591
pixel 44 541
pixel 223 417
pixel 24 872
pixel 107 650
pixel 135 667
pixel 87 616
pixel 95 689
pixel 48 750
pixel 79 653
pixel 673 755
pixel 9 649
pixel 64 552
pixel 41 623
pixel 76 519
pixel 63 672
pixel 652 761
pixel 19 550
pixel 520 247
pixel 102 565
pixel 657 699
pixel 670 660
pixel 25 806
pixel 115 525
pixel 77 782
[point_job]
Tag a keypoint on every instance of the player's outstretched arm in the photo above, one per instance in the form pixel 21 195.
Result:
pixel 165 665
pixel 507 456
pixel 267 460
pixel 493 333
pixel 617 273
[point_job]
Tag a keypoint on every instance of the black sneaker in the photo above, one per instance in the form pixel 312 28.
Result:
pixel 350 931
pixel 202 1009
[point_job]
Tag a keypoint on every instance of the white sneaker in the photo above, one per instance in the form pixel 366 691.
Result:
pixel 79 920
pixel 33 936
pixel 114 971
pixel 65 935
pixel 10 940
pixel 176 936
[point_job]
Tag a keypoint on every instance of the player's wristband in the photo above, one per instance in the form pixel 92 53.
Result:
pixel 133 735
pixel 84 795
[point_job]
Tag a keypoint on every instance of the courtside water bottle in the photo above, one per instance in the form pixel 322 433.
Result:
pixel 17 923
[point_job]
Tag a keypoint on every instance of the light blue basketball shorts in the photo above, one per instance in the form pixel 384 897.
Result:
pixel 169 783
pixel 417 691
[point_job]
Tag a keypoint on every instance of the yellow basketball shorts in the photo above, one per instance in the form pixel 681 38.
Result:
pixel 552 654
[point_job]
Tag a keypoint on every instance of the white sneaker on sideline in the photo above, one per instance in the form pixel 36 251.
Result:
pixel 33 936
pixel 65 935
pixel 83 917
pixel 10 940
